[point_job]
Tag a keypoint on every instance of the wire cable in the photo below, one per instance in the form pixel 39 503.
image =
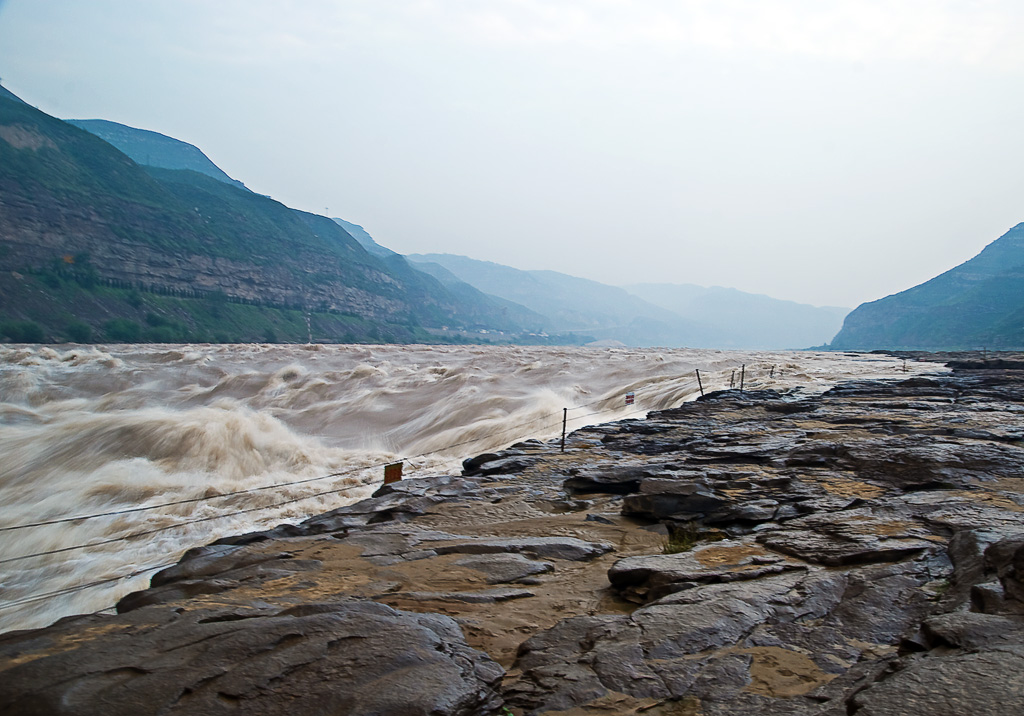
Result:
pixel 193 500
pixel 129 510
pixel 146 533
pixel 80 587
pixel 59 592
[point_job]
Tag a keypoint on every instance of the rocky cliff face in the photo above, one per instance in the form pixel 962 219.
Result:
pixel 977 304
pixel 859 552
pixel 41 233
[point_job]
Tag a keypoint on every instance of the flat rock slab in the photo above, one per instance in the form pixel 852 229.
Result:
pixel 849 537
pixel 654 576
pixel 503 568
pixel 987 684
pixel 568 548
pixel 974 630
pixel 211 560
pixel 486 596
pixel 341 658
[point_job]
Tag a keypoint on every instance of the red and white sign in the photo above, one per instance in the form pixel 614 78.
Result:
pixel 629 398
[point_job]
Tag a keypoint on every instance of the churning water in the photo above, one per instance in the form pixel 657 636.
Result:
pixel 92 430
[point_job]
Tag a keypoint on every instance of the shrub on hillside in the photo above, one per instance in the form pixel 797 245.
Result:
pixel 79 331
pixel 22 332
pixel 122 330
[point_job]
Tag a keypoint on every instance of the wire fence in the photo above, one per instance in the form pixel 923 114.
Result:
pixel 519 430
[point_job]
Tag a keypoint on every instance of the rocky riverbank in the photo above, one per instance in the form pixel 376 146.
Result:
pixel 858 552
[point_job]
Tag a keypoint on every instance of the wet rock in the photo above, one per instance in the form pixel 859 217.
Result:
pixel 505 568
pixel 973 631
pixel 390 544
pixel 473 463
pixel 848 537
pixel 393 506
pixel 212 570
pixel 987 684
pixel 341 658
pixel 919 462
pixel 661 651
pixel 1006 558
pixel 610 479
pixel 173 592
pixel 656 576
pixel 279 532
pixel 673 499
pixel 502 463
pixel 213 560
pixel 568 548
pixel 487 596
pixel 753 511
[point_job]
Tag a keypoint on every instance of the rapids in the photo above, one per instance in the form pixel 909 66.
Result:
pixel 94 430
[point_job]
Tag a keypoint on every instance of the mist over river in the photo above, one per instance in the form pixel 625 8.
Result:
pixel 92 430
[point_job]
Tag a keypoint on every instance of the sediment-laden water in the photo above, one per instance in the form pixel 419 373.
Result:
pixel 95 430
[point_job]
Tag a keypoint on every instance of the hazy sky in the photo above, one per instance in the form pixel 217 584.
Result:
pixel 829 152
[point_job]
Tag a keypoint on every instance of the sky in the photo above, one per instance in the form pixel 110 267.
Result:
pixel 829 153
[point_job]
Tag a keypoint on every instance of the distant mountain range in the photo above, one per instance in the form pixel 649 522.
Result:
pixel 648 314
pixel 569 303
pixel 141 237
pixel 979 303
pixel 735 319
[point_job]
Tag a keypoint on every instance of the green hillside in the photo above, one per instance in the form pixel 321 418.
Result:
pixel 360 234
pixel 980 303
pixel 7 94
pixel 88 237
pixel 153 149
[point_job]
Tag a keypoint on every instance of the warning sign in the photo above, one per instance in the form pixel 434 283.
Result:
pixel 392 473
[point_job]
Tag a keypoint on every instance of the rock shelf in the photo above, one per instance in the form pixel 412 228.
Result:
pixel 855 552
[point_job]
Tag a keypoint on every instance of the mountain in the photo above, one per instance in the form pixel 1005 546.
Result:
pixel 979 303
pixel 572 304
pixel 94 245
pixel 647 314
pixel 7 94
pixel 531 321
pixel 109 232
pixel 745 320
pixel 360 234
pixel 152 149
